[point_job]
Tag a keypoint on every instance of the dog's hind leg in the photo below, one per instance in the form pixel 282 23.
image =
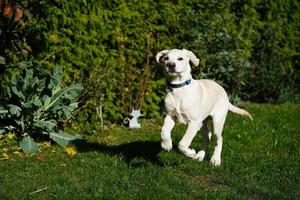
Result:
pixel 218 124
pixel 206 139
pixel 166 141
pixel 187 139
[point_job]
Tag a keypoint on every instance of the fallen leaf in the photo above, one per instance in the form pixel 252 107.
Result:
pixel 41 157
pixel 20 154
pixel 71 151
pixel 46 144
pixel 4 156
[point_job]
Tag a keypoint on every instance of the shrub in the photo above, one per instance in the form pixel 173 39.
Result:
pixel 250 47
pixel 37 106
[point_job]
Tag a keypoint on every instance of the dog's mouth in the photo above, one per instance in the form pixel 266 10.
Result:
pixel 172 71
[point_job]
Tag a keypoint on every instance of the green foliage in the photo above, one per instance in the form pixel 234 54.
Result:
pixel 250 47
pixel 93 42
pixel 275 55
pixel 37 105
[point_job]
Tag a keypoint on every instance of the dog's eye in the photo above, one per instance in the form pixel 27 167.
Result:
pixel 180 59
pixel 166 58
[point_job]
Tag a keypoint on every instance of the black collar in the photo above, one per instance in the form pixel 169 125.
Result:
pixel 172 86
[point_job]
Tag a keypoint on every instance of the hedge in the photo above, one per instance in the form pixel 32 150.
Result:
pixel 250 47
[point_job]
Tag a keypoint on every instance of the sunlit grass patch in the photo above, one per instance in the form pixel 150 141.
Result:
pixel 260 160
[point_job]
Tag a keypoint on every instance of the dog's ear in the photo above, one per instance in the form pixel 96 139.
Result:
pixel 191 56
pixel 161 55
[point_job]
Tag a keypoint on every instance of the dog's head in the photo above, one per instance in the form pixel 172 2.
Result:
pixel 176 61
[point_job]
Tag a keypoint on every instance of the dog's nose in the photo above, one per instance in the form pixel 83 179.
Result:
pixel 171 66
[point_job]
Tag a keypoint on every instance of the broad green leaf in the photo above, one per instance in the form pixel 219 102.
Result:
pixel 49 125
pixel 57 73
pixel 28 104
pixel 13 79
pixel 56 78
pixel 37 103
pixel 28 145
pixel 2 131
pixel 14 110
pixel 63 138
pixel 68 112
pixel 61 92
pixel 41 85
pixel 55 89
pixel 47 101
pixel 18 93
pixel 29 75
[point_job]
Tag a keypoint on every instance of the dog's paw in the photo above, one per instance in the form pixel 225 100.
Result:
pixel 200 155
pixel 215 161
pixel 191 153
pixel 166 145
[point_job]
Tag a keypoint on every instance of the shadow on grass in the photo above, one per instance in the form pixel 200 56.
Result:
pixel 134 153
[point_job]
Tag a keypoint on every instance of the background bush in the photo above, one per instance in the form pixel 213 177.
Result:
pixel 250 47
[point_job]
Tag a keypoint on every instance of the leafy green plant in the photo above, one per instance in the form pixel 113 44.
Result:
pixel 37 106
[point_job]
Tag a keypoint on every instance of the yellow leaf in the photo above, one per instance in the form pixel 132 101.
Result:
pixel 10 135
pixel 71 151
pixel 18 153
pixel 4 156
pixel 46 144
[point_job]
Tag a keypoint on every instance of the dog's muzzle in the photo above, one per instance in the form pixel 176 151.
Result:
pixel 171 67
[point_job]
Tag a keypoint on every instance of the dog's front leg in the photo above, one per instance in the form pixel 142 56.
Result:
pixel 187 139
pixel 166 141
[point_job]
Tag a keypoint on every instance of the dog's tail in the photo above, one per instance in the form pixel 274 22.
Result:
pixel 239 111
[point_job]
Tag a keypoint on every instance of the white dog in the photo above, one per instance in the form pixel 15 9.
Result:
pixel 191 102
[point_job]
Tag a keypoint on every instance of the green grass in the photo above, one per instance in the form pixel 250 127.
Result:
pixel 260 160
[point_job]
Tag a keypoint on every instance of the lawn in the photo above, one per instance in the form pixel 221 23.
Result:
pixel 260 160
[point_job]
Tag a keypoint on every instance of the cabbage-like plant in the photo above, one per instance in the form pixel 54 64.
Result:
pixel 36 105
